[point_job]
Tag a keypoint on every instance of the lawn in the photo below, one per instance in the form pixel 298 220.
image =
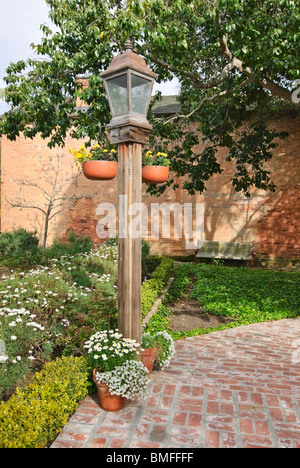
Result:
pixel 241 295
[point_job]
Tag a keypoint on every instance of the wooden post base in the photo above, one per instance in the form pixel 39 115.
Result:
pixel 129 274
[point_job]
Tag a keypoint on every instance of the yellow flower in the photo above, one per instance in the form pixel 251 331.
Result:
pixel 105 151
pixel 113 151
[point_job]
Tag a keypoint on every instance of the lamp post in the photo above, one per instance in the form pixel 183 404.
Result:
pixel 128 83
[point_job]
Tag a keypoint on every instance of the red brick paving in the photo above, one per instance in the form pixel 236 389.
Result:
pixel 237 388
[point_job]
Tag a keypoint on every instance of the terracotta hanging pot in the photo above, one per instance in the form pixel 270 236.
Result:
pixel 100 170
pixel 108 402
pixel 155 174
pixel 148 357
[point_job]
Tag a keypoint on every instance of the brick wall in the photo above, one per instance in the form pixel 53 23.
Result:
pixel 269 220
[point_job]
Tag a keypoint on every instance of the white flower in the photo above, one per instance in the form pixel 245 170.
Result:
pixel 13 338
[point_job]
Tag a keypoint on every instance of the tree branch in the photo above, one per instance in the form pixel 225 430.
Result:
pixel 274 88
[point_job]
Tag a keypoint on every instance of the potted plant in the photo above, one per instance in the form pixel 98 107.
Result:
pixel 155 168
pixel 117 372
pixel 98 163
pixel 148 351
pixel 164 344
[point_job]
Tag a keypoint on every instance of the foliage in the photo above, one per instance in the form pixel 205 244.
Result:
pixel 164 343
pixel 153 287
pixel 230 57
pixel 19 247
pixel 21 335
pixel 155 159
pixel 66 299
pixel 97 153
pixel 71 294
pixel 33 417
pixel 74 245
pixel 128 380
pixel 108 349
pixel 246 295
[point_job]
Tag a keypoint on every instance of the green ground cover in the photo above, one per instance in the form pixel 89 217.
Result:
pixel 244 295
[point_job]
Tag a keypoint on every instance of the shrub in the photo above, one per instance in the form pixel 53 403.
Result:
pixel 75 245
pixel 22 336
pixel 19 248
pixel 34 416
pixel 153 287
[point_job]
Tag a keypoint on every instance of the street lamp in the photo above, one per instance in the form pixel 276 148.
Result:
pixel 128 83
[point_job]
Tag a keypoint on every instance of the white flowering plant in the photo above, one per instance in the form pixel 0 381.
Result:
pixel 22 340
pixel 165 347
pixel 108 349
pixel 128 380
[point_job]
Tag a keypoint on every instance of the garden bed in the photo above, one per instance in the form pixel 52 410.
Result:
pixel 205 298
pixel 187 314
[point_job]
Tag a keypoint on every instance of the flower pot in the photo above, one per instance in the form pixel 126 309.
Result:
pixel 108 402
pixel 148 357
pixel 100 170
pixel 155 174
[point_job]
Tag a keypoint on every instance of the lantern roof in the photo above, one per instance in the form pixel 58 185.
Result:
pixel 128 60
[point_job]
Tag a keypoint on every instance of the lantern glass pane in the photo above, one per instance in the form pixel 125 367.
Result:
pixel 117 88
pixel 140 90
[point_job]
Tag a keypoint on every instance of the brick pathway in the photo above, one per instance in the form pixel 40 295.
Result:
pixel 233 388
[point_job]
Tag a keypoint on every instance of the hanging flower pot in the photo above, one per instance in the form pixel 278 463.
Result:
pixel 108 402
pixel 155 174
pixel 98 163
pixel 148 357
pixel 155 167
pixel 100 170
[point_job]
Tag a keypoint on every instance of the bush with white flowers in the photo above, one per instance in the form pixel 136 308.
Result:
pixel 108 349
pixel 165 347
pixel 129 380
pixel 22 339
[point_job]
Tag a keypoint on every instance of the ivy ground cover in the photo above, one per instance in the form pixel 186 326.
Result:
pixel 244 295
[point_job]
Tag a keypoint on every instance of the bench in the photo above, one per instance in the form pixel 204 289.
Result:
pixel 225 250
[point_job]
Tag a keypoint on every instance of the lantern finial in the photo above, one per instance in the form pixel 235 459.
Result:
pixel 128 45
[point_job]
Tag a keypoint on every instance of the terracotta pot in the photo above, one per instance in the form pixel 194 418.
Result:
pixel 100 170
pixel 148 357
pixel 155 174
pixel 108 402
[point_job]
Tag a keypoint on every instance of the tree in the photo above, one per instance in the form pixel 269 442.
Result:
pixel 53 197
pixel 231 57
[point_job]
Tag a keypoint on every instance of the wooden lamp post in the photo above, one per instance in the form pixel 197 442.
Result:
pixel 128 83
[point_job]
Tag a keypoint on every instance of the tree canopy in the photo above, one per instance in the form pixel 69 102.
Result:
pixel 231 58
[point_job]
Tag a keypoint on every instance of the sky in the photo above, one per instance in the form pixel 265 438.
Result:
pixel 20 22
